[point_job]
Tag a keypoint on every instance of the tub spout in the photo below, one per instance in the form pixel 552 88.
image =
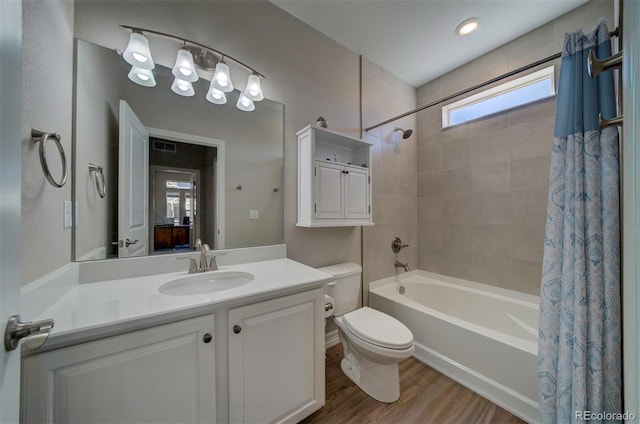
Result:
pixel 399 264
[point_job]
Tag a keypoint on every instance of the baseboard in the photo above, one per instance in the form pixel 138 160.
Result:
pixel 522 407
pixel 331 339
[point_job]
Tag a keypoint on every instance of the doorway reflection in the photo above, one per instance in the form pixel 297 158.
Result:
pixel 182 195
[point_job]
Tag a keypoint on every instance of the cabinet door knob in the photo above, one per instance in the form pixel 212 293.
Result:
pixel 207 338
pixel 237 329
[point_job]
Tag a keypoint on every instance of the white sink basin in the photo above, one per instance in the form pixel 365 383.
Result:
pixel 208 282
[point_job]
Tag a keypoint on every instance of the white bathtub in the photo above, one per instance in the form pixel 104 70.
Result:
pixel 482 336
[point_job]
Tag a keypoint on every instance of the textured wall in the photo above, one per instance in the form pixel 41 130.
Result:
pixel 394 181
pixel 482 186
pixel 47 70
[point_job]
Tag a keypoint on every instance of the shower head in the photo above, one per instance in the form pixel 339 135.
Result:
pixel 405 133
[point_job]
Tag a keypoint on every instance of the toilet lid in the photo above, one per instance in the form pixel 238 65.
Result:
pixel 378 328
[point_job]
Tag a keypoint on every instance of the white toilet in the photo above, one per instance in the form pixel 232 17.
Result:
pixel 373 342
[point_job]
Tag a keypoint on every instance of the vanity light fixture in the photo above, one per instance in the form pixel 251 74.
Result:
pixel 143 77
pixel 216 96
pixel 245 104
pixel 184 67
pixel 190 57
pixel 222 77
pixel 467 26
pixel 182 87
pixel 137 52
pixel 253 90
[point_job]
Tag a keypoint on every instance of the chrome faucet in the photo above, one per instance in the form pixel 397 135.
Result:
pixel 207 260
pixel 193 266
pixel 205 257
pixel 213 265
pixel 399 264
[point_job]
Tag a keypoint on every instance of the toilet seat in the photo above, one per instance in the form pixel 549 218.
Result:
pixel 378 329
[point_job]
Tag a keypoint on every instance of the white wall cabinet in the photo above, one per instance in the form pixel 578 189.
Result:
pixel 342 192
pixel 164 374
pixel 334 179
pixel 276 359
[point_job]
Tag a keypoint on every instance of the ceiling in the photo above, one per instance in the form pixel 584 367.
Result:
pixel 415 39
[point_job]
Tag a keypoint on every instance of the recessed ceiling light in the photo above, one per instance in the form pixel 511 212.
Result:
pixel 467 26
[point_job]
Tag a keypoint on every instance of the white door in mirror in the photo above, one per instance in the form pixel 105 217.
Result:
pixel 133 185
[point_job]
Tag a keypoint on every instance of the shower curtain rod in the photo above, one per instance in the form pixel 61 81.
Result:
pixel 477 86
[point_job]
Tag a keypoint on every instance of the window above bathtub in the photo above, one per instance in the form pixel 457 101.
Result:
pixel 518 92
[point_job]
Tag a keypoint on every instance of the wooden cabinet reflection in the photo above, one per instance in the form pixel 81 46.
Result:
pixel 170 237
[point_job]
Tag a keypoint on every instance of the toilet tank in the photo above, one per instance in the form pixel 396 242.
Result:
pixel 346 289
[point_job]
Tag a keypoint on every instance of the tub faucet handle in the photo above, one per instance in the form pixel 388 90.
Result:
pixel 397 245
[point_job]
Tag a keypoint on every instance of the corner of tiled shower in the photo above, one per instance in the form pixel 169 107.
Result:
pixel 470 200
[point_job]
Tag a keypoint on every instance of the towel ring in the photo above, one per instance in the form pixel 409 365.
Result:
pixel 101 187
pixel 42 138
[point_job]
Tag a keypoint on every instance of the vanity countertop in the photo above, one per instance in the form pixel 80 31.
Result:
pixel 110 307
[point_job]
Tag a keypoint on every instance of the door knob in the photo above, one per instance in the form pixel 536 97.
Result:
pixel 128 242
pixel 34 333
pixel 237 329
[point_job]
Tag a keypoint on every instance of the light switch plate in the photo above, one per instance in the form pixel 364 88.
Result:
pixel 68 222
pixel 254 214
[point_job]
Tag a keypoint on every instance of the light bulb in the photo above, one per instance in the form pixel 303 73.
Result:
pixel 184 68
pixel 139 57
pixel 182 87
pixel 245 104
pixel 216 96
pixel 253 90
pixel 467 26
pixel 221 78
pixel 137 52
pixel 143 77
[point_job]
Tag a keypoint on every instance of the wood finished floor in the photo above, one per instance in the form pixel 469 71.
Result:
pixel 426 397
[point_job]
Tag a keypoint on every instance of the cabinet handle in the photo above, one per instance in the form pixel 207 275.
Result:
pixel 237 329
pixel 207 338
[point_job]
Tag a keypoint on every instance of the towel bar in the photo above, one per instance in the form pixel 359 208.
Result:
pixel 42 137
pixel 101 187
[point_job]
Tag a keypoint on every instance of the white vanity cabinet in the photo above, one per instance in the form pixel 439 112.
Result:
pixel 164 374
pixel 276 359
pixel 334 179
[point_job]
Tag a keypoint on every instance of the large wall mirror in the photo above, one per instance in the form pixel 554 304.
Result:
pixel 155 172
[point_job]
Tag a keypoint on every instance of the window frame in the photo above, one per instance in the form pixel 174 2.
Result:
pixel 547 73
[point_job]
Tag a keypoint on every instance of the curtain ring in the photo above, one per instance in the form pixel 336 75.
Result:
pixel 101 187
pixel 42 137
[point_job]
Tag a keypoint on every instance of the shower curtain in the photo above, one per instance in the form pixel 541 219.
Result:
pixel 579 348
